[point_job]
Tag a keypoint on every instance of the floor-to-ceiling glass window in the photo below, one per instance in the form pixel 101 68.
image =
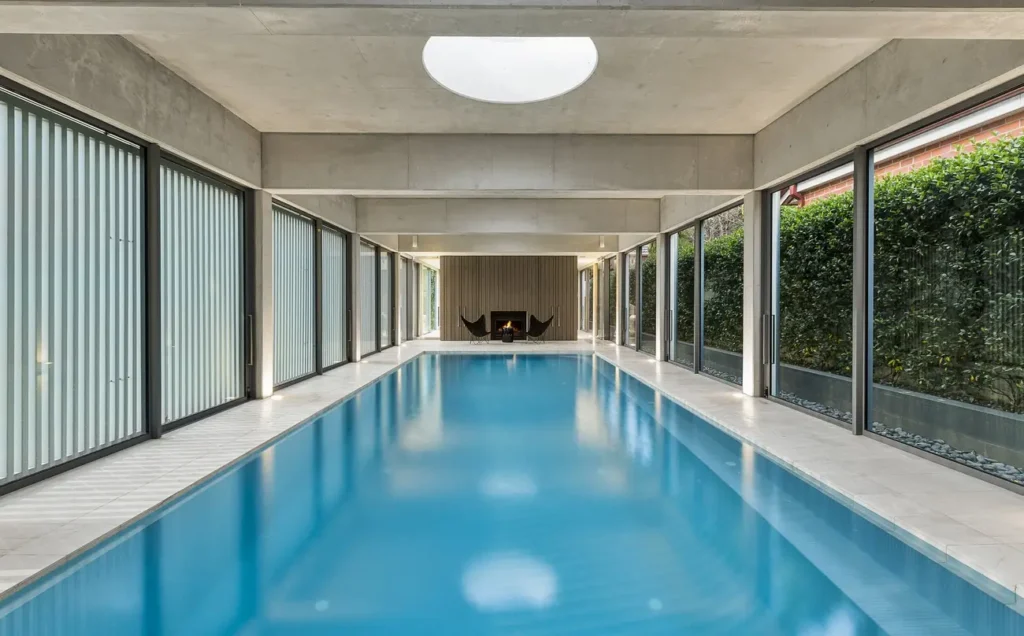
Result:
pixel 294 296
pixel 612 297
pixel 722 257
pixel 201 306
pixel 368 271
pixel 334 295
pixel 648 297
pixel 71 329
pixel 601 290
pixel 586 299
pixel 683 277
pixel 948 294
pixel 812 260
pixel 430 299
pixel 629 289
pixel 403 295
pixel 387 299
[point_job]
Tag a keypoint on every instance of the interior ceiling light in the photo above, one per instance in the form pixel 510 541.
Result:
pixel 509 70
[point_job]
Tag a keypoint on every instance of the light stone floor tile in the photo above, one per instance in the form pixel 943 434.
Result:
pixel 973 522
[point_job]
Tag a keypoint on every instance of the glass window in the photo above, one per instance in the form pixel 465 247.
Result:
pixel 630 291
pixel 333 297
pixel 648 297
pixel 403 304
pixel 612 300
pixel 71 288
pixel 948 305
pixel 386 299
pixel 601 289
pixel 722 346
pixel 201 293
pixel 682 271
pixel 367 299
pixel 294 296
pixel 812 260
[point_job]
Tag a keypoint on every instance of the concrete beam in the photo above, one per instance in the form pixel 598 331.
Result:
pixel 677 211
pixel 507 244
pixel 507 216
pixel 338 210
pixel 376 165
pixel 902 82
pixel 112 80
pixel 597 18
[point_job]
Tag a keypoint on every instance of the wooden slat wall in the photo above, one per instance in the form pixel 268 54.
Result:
pixel 539 285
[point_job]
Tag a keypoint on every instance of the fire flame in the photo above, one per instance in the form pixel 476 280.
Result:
pixel 508 325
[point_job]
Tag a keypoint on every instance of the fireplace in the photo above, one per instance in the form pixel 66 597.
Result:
pixel 514 319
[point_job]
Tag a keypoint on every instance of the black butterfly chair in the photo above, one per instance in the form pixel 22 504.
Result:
pixel 477 328
pixel 537 328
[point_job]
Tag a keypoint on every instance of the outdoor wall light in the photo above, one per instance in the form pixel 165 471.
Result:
pixel 510 70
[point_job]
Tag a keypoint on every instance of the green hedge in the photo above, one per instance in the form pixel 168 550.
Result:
pixel 948 275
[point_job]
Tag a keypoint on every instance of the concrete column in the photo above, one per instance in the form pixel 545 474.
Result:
pixel 661 297
pixel 263 286
pixel 620 292
pixel 354 298
pixel 753 305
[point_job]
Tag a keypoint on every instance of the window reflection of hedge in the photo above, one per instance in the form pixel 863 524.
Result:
pixel 949 280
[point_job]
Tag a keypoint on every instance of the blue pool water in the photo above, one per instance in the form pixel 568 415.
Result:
pixel 505 495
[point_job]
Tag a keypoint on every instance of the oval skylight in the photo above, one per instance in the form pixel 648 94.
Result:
pixel 510 70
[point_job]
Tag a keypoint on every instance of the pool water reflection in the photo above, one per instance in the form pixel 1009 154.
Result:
pixel 498 495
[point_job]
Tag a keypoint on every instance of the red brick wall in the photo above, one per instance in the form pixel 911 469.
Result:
pixel 1010 126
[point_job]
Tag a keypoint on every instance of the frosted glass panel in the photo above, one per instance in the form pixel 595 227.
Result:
pixel 333 297
pixel 367 299
pixel 294 301
pixel 70 289
pixel 201 293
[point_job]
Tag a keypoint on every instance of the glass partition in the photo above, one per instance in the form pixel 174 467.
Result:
pixel 812 260
pixel 722 257
pixel 71 280
pixel 948 304
pixel 682 268
pixel 612 297
pixel 202 317
pixel 294 296
pixel 387 300
pixel 333 301
pixel 368 270
pixel 629 289
pixel 648 297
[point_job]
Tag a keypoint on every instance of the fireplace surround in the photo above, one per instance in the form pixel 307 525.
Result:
pixel 501 318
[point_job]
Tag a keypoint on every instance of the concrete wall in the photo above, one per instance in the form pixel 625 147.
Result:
pixel 435 164
pixel 903 81
pixel 109 78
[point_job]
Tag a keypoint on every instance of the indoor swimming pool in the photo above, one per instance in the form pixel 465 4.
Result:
pixel 505 494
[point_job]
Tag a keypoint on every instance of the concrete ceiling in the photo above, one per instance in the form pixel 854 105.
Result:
pixel 377 84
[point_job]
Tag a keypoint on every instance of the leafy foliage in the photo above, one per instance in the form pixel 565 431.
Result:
pixel 948 280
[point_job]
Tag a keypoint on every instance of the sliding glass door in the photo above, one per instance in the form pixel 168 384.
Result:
pixel 721 242
pixel 648 274
pixel 71 284
pixel 202 303
pixel 368 292
pixel 294 296
pixel 334 297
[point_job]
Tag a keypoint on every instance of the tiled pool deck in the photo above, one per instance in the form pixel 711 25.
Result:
pixel 974 527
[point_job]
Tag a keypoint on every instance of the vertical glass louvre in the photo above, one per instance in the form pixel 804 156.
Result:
pixel 333 297
pixel 201 293
pixel 367 299
pixel 386 299
pixel 294 302
pixel 404 302
pixel 71 287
